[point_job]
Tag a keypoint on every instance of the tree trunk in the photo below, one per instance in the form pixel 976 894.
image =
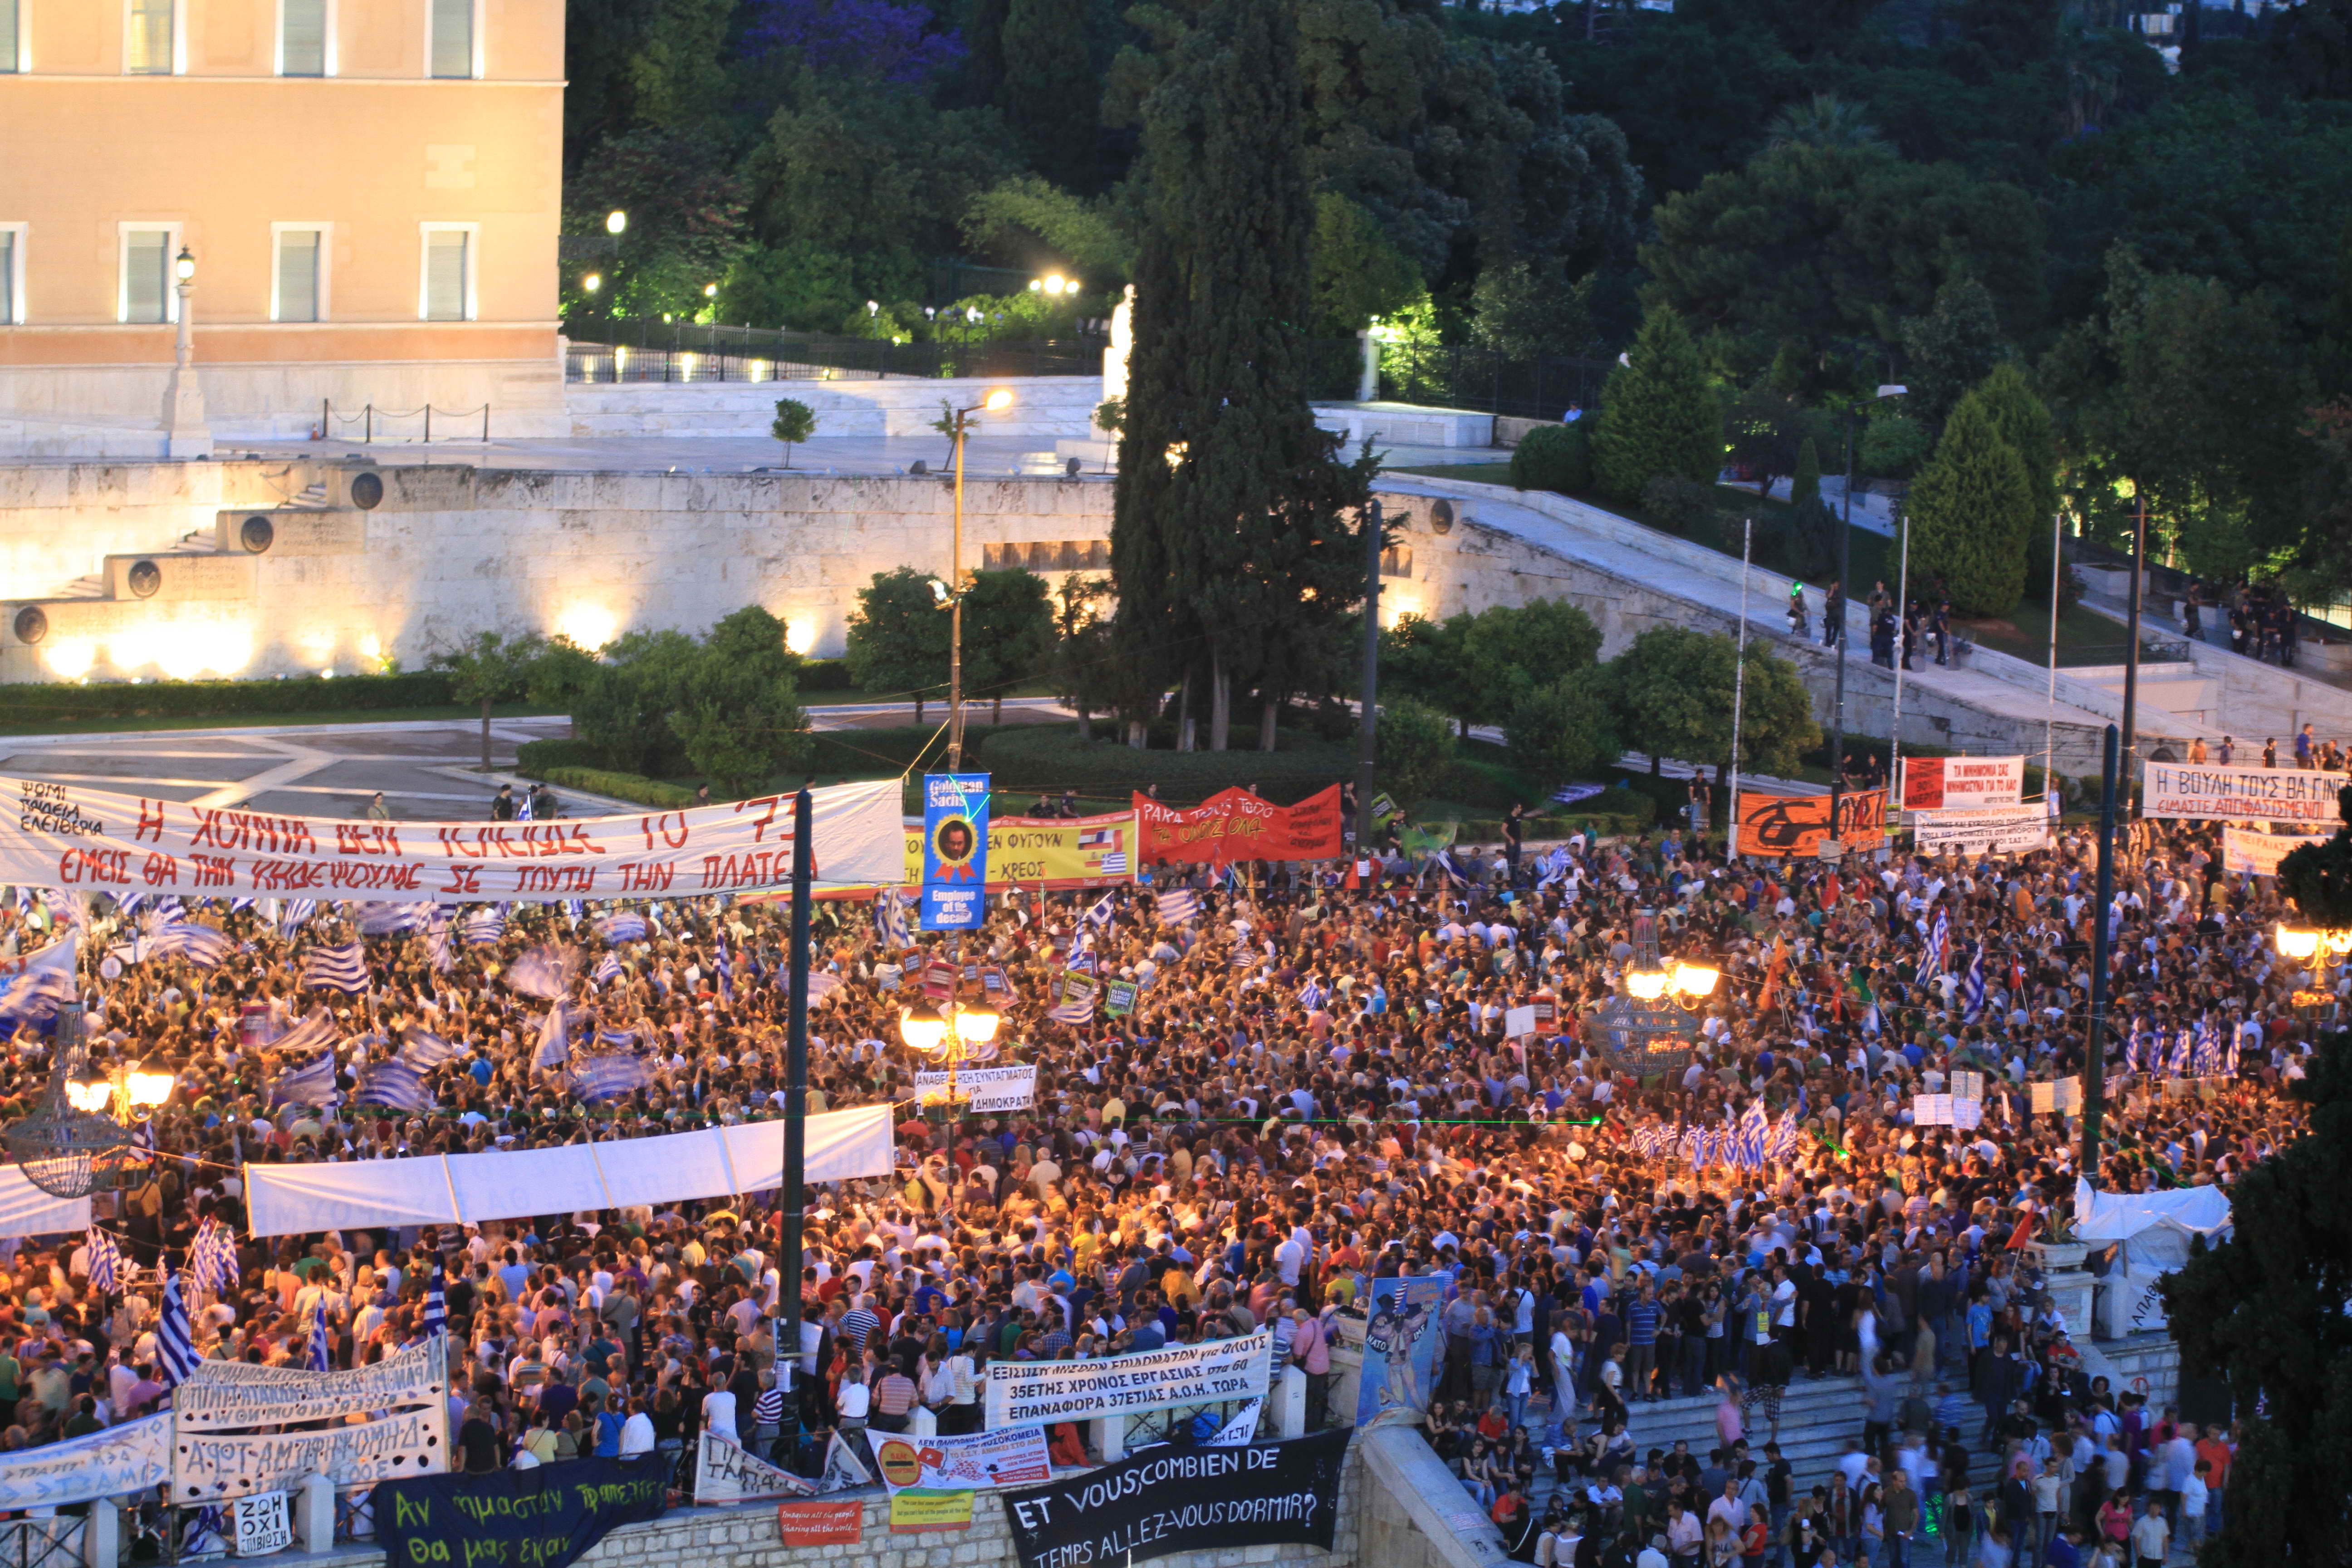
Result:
pixel 1184 714
pixel 996 713
pixel 919 708
pixel 1266 719
pixel 1086 723
pixel 1653 762
pixel 1221 702
pixel 486 734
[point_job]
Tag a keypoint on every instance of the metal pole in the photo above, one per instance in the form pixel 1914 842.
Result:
pixel 1846 600
pixel 1367 722
pixel 955 616
pixel 1738 687
pixel 788 1353
pixel 428 423
pixel 2094 1046
pixel 2131 654
pixel 2050 703
pixel 1902 649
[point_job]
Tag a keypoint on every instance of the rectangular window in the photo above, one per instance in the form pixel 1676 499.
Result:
pixel 302 37
pixel 453 38
pixel 147 275
pixel 1396 561
pixel 12 256
pixel 10 17
pixel 298 252
pixel 448 264
pixel 148 45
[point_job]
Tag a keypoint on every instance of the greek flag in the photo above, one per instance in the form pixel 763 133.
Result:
pixel 212 1259
pixel 575 910
pixel 436 1310
pixel 1784 1146
pixel 312 1084
pixel 1082 961
pixel 296 915
pixel 393 920
pixel 545 972
pixel 341 968
pixel 175 1343
pixel 424 1050
pixel 314 1033
pixel 1755 1134
pixel 890 920
pixel 609 1076
pixel 2205 1054
pixel 1178 906
pixel 621 927
pixel 2136 1047
pixel 1553 866
pixel 1230 878
pixel 1312 995
pixel 726 973
pixel 608 968
pixel 437 942
pixel 1972 992
pixel 394 1085
pixel 482 928
pixel 554 1039
pixel 168 909
pixel 2178 1066
pixel 322 1356
pixel 1931 957
pixel 1451 867
pixel 1081 1012
pixel 32 988
pixel 199 944
pixel 105 1262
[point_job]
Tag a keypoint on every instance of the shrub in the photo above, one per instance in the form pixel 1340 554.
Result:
pixel 66 702
pixel 1553 457
pixel 1026 757
pixel 1415 742
pixel 534 758
pixel 622 786
pixel 1684 507
pixel 825 675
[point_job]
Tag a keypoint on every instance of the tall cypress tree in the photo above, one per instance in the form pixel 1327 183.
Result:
pixel 1660 415
pixel 1225 484
pixel 1051 98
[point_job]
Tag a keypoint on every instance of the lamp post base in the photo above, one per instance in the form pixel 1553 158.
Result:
pixel 187 432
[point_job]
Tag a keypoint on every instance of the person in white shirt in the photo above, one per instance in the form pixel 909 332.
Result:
pixel 638 1431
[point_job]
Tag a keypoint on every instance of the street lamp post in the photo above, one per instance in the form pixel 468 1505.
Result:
pixel 951 1037
pixel 1846 605
pixel 187 432
pixel 951 592
pixel 1367 751
pixel 788 1350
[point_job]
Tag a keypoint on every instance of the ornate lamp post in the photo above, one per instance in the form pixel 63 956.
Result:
pixel 950 592
pixel 955 1036
pixel 1646 1029
pixel 69 1146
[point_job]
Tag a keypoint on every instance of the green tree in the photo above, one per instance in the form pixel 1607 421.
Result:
pixel 623 714
pixel 738 715
pixel 687 213
pixel 1952 348
pixel 1971 511
pixel 1427 660
pixel 1358 274
pixel 633 65
pixel 1563 730
pixel 1052 97
pixel 896 644
pixel 1660 415
pixel 489 669
pixel 795 421
pixel 2024 422
pixel 1416 747
pixel 1523 308
pixel 1511 650
pixel 1079 665
pixel 1016 217
pixel 1553 457
pixel 1008 633
pixel 1807 483
pixel 1674 692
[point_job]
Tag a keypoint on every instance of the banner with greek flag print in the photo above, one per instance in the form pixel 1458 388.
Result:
pixel 104 1269
pixel 1178 905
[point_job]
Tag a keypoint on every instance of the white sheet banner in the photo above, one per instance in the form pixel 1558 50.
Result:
pixel 25 1210
pixel 238 1396
pixel 473 1189
pixel 2241 795
pixel 725 1472
pixel 990 1089
pixel 1025 1394
pixel 1015 1457
pixel 126 1459
pixel 1945 1111
pixel 2007 830
pixel 1961 784
pixel 62 835
pixel 2054 1097
pixel 208 1467
pixel 2246 853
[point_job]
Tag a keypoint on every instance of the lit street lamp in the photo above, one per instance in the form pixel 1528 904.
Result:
pixel 187 432
pixel 1645 1030
pixel 616 223
pixel 953 1037
pixel 951 592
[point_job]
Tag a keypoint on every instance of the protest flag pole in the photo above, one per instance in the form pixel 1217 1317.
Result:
pixel 2095 1049
pixel 788 1353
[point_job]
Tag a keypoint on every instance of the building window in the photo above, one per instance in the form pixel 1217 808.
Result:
pixel 150 41
pixel 12 274
pixel 147 275
pixel 11 50
pixel 1047 555
pixel 1396 561
pixel 448 293
pixel 299 286
pixel 303 27
pixel 453 38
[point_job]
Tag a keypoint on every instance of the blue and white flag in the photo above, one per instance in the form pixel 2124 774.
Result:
pixel 609 1076
pixel 1783 1145
pixel 621 926
pixel 608 968
pixel 212 1258
pixel 296 914
pixel 342 968
pixel 1081 1012
pixel 2205 1051
pixel 393 920
pixel 424 1050
pixel 105 1269
pixel 1931 957
pixel 32 987
pixel 175 1343
pixel 320 1357
pixel 201 945
pixel 1972 991
pixel 890 920
pixel 483 927
pixel 2178 1065
pixel 554 1039
pixel 394 1085
pixel 545 972
pixel 311 1084
pixel 1178 905
pixel 726 973
pixel 316 1032
pixel 1082 961
pixel 437 942
pixel 436 1310
pixel 1100 915
pixel 1755 1133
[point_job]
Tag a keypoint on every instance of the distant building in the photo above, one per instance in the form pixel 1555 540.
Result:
pixel 368 189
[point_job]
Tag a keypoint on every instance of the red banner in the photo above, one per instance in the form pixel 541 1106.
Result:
pixel 1234 825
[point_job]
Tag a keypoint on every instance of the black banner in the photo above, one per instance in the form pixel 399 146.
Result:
pixel 1181 1500
pixel 540 1518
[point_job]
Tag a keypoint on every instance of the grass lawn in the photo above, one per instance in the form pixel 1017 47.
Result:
pixel 2084 636
pixel 110 724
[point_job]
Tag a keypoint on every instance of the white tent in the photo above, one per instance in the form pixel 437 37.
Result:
pixel 2153 1227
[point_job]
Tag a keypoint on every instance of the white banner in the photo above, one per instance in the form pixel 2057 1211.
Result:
pixel 990 1089
pixel 262 1525
pixel 63 835
pixel 2246 853
pixel 236 1397
pixel 1015 1457
pixel 1945 1111
pixel 725 1472
pixel 2060 1096
pixel 2008 830
pixel 130 1457
pixel 208 1467
pixel 1025 1394
pixel 1962 784
pixel 2241 795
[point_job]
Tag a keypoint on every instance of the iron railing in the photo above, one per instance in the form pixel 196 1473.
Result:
pixel 637 350
pixel 42 1542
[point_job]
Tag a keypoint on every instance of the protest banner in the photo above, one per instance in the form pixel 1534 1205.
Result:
pixel 2061 1097
pixel 238 1396
pixel 1118 998
pixel 1167 1501
pixel 1046 851
pixel 1400 1338
pixel 1021 1394
pixel 130 1457
pixel 2240 795
pixel 1945 1111
pixel 262 1525
pixel 1962 784
pixel 540 1518
pixel 211 1466
pixel 2003 830
pixel 820 1524
pixel 1234 825
pixel 989 1088
pixel 955 851
pixel 63 835
pixel 1783 825
pixel 725 1472
pixel 2246 853
pixel 915 1511
pixel 1015 1457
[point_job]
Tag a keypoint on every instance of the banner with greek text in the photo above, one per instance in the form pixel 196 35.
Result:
pixel 63 835
pixel 1015 1457
pixel 208 1467
pixel 1026 1393
pixel 1234 825
pixel 2240 795
pixel 2005 830
pixel 130 1457
pixel 989 1088
pixel 2246 853
pixel 238 1396
pixel 1962 784
pixel 1046 851
pixel 725 1472
pixel 540 1518
pixel 1168 1501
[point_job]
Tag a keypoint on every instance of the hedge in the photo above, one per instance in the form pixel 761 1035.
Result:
pixel 825 674
pixel 867 753
pixel 534 758
pixel 622 786
pixel 71 701
pixel 1051 756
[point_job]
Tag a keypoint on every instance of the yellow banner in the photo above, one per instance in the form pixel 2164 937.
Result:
pixel 918 1508
pixel 1048 852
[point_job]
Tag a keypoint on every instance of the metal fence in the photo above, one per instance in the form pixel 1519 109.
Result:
pixel 42 1542
pixel 635 351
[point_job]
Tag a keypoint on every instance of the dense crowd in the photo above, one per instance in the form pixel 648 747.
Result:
pixel 1314 1090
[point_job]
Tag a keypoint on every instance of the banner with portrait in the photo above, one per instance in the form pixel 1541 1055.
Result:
pixel 1796 826
pixel 1028 1393
pixel 2240 795
pixel 1167 1501
pixel 1402 1334
pixel 1048 852
pixel 955 851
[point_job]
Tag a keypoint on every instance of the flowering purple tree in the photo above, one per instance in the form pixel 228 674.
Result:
pixel 864 37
